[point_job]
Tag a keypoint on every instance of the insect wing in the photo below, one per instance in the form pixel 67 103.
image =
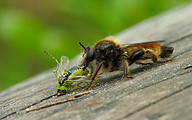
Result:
pixel 60 69
pixel 64 62
pixel 142 43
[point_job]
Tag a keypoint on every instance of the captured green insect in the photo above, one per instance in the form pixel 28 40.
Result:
pixel 66 78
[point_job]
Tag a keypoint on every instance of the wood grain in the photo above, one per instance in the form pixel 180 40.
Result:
pixel 160 91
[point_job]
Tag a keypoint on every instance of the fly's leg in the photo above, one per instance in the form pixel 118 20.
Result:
pixel 154 58
pixel 141 63
pixel 126 70
pixel 150 55
pixel 165 61
pixel 94 75
pixel 136 56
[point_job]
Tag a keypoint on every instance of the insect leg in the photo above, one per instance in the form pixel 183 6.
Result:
pixel 136 55
pixel 126 70
pixel 165 61
pixel 141 63
pixel 94 75
pixel 80 86
pixel 154 58
pixel 150 55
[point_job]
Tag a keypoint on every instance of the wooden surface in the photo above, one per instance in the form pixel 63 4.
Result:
pixel 162 91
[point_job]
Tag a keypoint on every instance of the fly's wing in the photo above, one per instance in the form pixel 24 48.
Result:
pixel 141 44
pixel 59 70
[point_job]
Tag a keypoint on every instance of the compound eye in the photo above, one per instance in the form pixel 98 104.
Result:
pixel 64 91
pixel 58 90
pixel 90 55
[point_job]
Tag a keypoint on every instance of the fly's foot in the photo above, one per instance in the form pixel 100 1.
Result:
pixel 128 77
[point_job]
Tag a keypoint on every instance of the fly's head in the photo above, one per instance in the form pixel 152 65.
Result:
pixel 88 55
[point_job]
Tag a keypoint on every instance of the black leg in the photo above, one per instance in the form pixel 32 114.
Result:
pixel 152 55
pixel 136 55
pixel 154 58
pixel 94 75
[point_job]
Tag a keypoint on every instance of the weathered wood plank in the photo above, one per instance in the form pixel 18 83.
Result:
pixel 177 106
pixel 157 92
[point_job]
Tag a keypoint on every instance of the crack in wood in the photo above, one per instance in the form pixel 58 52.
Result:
pixel 182 52
pixel 154 116
pixel 179 39
pixel 15 112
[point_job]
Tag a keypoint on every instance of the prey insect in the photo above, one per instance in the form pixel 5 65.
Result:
pixel 109 55
pixel 66 78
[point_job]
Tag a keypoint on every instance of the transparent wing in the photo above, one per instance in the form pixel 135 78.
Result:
pixel 60 69
pixel 141 43
pixel 64 62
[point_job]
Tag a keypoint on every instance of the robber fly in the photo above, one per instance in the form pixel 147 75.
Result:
pixel 109 55
pixel 65 77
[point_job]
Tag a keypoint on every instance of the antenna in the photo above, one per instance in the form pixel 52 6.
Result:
pixel 51 56
pixel 83 46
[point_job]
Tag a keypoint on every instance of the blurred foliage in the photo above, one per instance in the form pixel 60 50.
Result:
pixel 28 27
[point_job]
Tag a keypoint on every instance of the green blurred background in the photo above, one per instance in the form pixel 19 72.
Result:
pixel 28 27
